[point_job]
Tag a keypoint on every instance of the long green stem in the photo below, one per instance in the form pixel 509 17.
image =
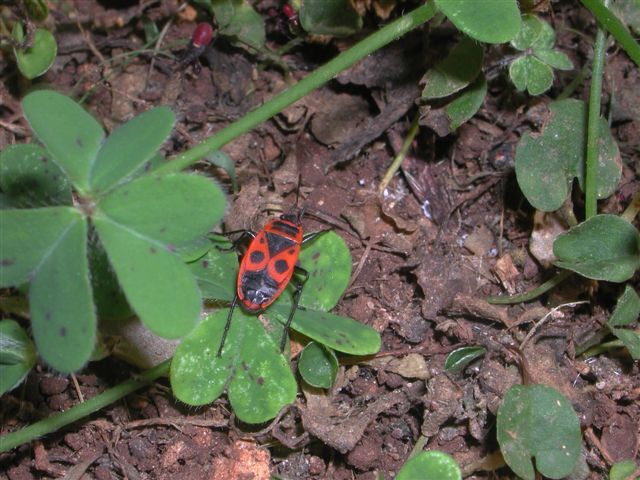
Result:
pixel 59 420
pixel 615 27
pixel 593 125
pixel 373 42
pixel 397 161
pixel 535 293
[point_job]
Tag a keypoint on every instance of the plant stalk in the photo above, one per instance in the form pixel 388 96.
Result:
pixel 397 161
pixel 615 27
pixel 533 294
pixel 59 420
pixel 320 76
pixel 593 125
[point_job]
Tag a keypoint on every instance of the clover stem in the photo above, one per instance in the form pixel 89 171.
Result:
pixel 533 294
pixel 320 76
pixel 613 25
pixel 62 419
pixel 593 125
pixel 397 161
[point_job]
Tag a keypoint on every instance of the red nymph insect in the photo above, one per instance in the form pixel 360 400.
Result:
pixel 200 39
pixel 268 266
pixel 292 15
pixel 202 35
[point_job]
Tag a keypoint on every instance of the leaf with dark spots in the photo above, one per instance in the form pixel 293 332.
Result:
pixel 339 333
pixel 258 378
pixel 18 355
pixel 6 262
pixel 129 147
pixel 169 305
pixel 27 181
pixel 71 136
pixel 63 332
pixel 331 269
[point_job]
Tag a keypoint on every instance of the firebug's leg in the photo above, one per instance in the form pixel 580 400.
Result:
pixel 310 237
pixel 299 285
pixel 234 243
pixel 227 325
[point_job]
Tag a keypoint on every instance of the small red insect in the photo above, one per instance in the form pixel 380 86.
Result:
pixel 202 35
pixel 200 39
pixel 267 267
pixel 291 14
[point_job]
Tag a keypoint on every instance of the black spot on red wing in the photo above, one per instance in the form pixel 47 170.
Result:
pixel 281 266
pixel 256 256
pixel 291 251
pixel 261 240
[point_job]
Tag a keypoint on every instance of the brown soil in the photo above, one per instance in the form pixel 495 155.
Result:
pixel 451 229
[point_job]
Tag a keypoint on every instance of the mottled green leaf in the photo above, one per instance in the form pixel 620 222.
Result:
pixel 604 247
pixel 329 17
pixel 339 333
pixel 536 422
pixel 217 271
pixel 328 261
pixel 70 134
pixel 546 164
pixel 554 58
pixel 22 250
pixel 257 376
pixel 431 465
pixel 38 10
pixel 156 282
pixel 29 179
pixel 630 339
pixel 494 21
pixel 17 355
pixel 130 146
pixel 626 312
pixel 63 315
pixel 461 357
pixel 224 161
pixel 239 19
pixel 110 301
pixel 38 58
pixel 627 308
pixel 455 72
pixel 172 209
pixel 318 365
pixel 467 103
pixel 622 470
pixel 527 72
pixel 530 32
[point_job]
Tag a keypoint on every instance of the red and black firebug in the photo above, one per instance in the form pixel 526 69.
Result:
pixel 269 264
